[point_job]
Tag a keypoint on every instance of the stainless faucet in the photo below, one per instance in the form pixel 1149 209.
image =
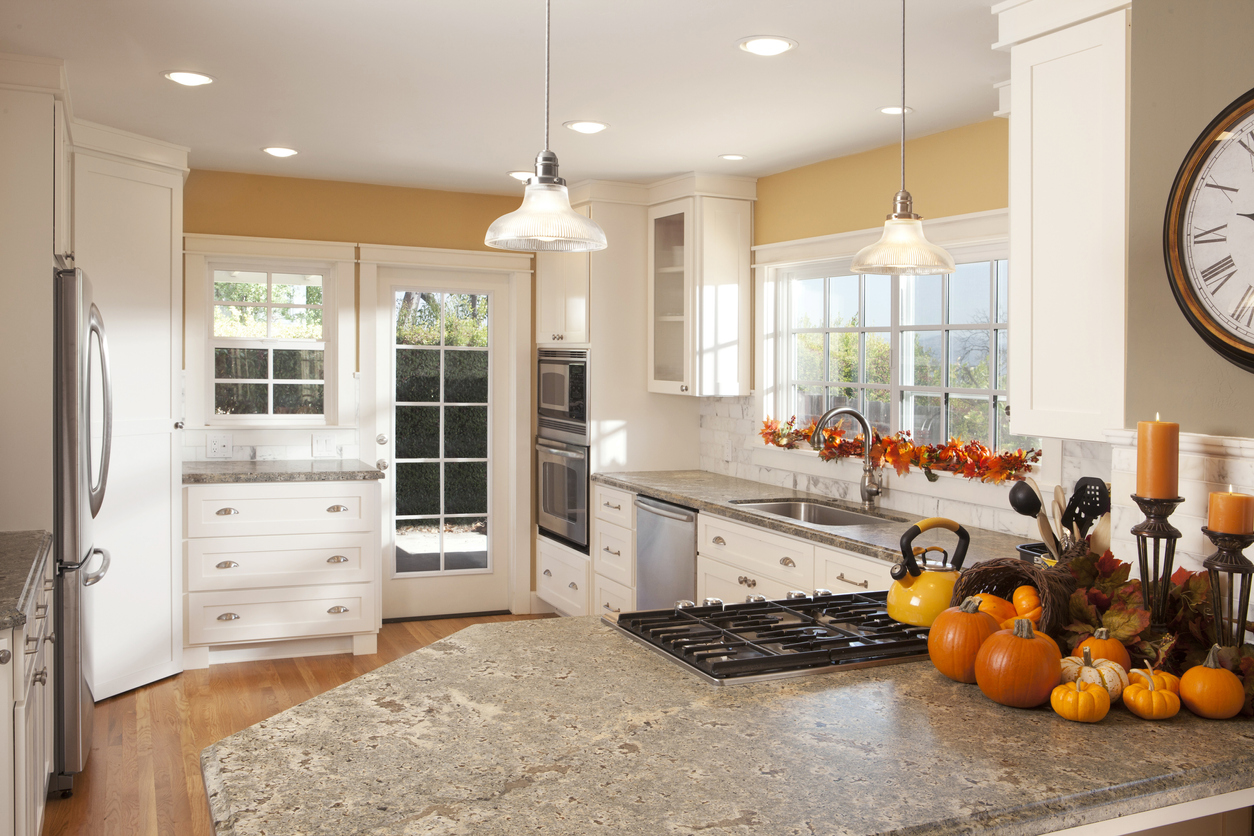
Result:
pixel 870 484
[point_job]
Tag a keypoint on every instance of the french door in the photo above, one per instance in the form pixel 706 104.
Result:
pixel 443 420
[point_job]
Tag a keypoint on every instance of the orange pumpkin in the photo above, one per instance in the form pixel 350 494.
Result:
pixel 1149 700
pixel 1104 647
pixel 1027 603
pixel 1161 680
pixel 1208 690
pixel 999 608
pixel 955 637
pixel 1018 667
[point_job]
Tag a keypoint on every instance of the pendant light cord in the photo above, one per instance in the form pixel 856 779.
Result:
pixel 547 5
pixel 903 95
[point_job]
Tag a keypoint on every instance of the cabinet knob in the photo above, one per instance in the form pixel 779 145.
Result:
pixel 865 584
pixel 547 573
pixel 747 581
pixel 226 512
pixel 788 561
pixel 32 645
pixel 683 388
pixel 178 425
pixel 227 564
pixel 337 558
pixel 337 610
pixel 573 586
pixel 337 509
pixel 5 657
pixel 719 541
pixel 42 677
pixel 228 616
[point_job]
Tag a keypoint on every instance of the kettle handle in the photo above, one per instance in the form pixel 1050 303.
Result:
pixel 909 565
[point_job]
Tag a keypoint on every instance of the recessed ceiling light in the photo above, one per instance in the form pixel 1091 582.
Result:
pixel 585 127
pixel 895 110
pixel 731 156
pixel 766 45
pixel 279 152
pixel 522 176
pixel 188 79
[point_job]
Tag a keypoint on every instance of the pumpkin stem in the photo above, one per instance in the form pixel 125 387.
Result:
pixel 970 605
pixel 1023 629
pixel 1102 634
pixel 1212 658
pixel 1149 676
pixel 1088 656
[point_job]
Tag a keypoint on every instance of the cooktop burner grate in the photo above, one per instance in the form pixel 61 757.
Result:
pixel 755 641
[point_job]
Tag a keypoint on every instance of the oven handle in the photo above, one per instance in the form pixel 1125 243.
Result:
pixel 566 454
pixel 664 512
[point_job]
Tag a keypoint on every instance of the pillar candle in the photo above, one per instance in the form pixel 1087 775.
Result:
pixel 1157 459
pixel 1231 513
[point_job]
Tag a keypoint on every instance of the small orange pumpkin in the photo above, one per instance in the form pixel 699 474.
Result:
pixel 1027 602
pixel 1161 679
pixel 999 608
pixel 1150 701
pixel 955 637
pixel 1083 702
pixel 1211 691
pixel 1018 667
pixel 1104 647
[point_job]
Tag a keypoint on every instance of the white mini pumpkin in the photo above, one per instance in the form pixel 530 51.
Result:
pixel 1110 675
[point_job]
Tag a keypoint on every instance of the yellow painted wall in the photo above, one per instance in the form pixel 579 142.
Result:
pixel 949 173
pixel 227 203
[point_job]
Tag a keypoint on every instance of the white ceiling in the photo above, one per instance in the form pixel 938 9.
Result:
pixel 448 94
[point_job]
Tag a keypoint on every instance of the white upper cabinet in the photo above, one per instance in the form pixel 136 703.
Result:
pixel 699 291
pixel 562 296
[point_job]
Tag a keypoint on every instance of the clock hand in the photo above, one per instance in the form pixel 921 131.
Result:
pixel 1249 215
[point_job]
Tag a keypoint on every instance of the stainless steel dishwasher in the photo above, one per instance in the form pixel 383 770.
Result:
pixel 666 554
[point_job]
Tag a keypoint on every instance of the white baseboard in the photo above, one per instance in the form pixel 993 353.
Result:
pixel 203 656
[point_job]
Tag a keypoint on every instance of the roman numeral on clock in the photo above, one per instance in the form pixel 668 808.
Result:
pixel 1224 190
pixel 1245 307
pixel 1219 273
pixel 1248 146
pixel 1199 237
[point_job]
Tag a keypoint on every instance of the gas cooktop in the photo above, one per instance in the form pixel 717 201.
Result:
pixel 761 640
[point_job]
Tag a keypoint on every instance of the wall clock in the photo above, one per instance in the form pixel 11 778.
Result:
pixel 1208 235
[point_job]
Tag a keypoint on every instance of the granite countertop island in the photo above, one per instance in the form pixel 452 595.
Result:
pixel 278 470
pixel 22 555
pixel 566 727
pixel 714 493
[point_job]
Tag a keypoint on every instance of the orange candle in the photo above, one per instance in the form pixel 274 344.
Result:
pixel 1157 459
pixel 1231 513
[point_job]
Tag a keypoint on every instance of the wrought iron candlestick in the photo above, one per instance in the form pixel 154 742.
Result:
pixel 1229 571
pixel 1156 576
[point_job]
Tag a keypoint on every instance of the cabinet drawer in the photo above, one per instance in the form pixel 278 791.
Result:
pixel 610 597
pixel 562 578
pixel 760 552
pixel 613 506
pixel 279 613
pixel 292 560
pixel 615 553
pixel 844 572
pixel 716 579
pixel 302 508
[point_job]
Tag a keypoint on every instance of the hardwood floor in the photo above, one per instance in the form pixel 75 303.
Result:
pixel 143 774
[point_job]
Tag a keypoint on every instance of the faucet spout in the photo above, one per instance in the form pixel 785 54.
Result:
pixel 869 486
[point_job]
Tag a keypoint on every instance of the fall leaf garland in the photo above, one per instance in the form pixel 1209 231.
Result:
pixel 972 460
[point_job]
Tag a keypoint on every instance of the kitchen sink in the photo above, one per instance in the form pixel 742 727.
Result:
pixel 815 513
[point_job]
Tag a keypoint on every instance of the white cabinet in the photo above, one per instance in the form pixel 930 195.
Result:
pixel 698 308
pixel 842 571
pixel 613 549
pixel 562 577
pixel 27 687
pixel 275 562
pixel 562 296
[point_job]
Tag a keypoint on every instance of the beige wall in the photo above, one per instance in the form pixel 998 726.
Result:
pixel 227 203
pixel 950 173
pixel 1170 369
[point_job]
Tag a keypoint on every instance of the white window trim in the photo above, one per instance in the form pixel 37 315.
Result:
pixel 979 236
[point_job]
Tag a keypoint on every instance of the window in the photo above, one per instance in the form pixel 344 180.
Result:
pixel 267 341
pixel 926 354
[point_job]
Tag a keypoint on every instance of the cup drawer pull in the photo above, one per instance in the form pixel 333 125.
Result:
pixel 337 558
pixel 227 564
pixel 788 561
pixel 228 616
pixel 337 509
pixel 337 610
pixel 865 584
pixel 226 512
pixel 719 541
pixel 547 573
pixel 573 586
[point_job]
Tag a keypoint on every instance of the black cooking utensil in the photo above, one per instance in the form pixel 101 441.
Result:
pixel 1024 500
pixel 1088 502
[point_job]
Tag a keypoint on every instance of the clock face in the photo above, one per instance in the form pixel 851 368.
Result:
pixel 1209 236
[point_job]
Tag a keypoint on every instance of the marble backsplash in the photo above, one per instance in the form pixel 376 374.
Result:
pixel 260 444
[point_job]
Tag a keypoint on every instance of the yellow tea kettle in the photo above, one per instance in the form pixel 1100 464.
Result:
pixel 917 596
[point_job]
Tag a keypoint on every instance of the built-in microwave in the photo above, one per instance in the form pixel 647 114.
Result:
pixel 562 385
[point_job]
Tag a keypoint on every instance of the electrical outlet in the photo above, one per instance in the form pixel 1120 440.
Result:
pixel 323 445
pixel 218 446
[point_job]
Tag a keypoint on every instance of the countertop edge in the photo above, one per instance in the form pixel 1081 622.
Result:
pixel 16 617
pixel 250 471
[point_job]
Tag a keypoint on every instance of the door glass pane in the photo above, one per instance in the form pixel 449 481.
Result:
pixel 1003 291
pixel 969 296
pixel 417 432
pixel 240 398
pixel 296 289
pixel 466 320
pixel 417 318
pixel 466 543
pixel 417 375
pixel 240 363
pixel 465 432
pixel 239 321
pixel 969 359
pixel 879 301
pixel 921 359
pixel 878 359
pixel 921 300
pixel 1003 359
pixel 807 303
pixel 843 361
pixel 465 487
pixel 417 489
pixel 418 545
pixel 808 356
pixel 298 399
pixel 968 418
pixel 842 307
pixel 294 364
pixel 465 377
pixel 921 415
pixel 668 266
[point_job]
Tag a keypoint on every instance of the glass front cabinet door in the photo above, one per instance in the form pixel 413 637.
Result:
pixel 671 297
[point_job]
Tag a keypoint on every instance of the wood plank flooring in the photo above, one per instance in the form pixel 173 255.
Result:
pixel 143 775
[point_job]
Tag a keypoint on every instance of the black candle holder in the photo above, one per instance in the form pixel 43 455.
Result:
pixel 1156 576
pixel 1230 565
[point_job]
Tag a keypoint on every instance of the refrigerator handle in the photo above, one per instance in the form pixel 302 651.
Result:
pixel 97 491
pixel 93 578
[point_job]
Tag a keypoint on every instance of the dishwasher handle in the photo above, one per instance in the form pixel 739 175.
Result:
pixel 665 510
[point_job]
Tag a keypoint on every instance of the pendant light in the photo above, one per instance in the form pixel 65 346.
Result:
pixel 903 248
pixel 545 221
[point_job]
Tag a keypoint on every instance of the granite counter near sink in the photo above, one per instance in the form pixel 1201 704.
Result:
pixel 717 494
pixel 278 470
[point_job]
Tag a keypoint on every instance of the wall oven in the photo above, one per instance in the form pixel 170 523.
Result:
pixel 562 446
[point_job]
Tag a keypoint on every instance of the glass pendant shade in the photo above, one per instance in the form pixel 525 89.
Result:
pixel 545 222
pixel 903 249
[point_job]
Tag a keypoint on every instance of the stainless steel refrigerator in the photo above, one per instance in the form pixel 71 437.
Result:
pixel 83 414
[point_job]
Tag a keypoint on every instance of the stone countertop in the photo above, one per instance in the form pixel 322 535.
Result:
pixel 22 555
pixel 715 493
pixel 278 470
pixel 567 727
